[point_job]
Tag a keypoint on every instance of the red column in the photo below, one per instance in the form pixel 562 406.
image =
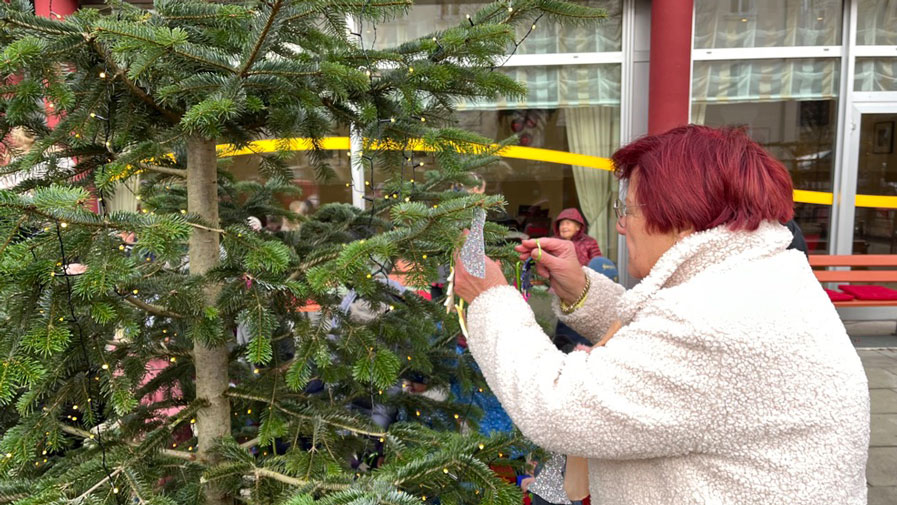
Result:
pixel 61 7
pixel 669 84
pixel 56 9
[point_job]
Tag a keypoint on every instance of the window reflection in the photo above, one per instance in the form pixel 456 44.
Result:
pixel 767 23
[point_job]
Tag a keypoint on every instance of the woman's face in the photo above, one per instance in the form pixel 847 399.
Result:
pixel 644 247
pixel 568 228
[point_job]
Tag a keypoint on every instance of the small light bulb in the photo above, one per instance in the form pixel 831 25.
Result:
pixel 193 421
pixel 183 211
pixel 445 470
pixel 121 247
pixel 75 407
pixel 410 70
pixel 424 256
pixel 368 276
pixel 172 359
pixel 135 291
pixel 423 120
pixel 417 412
pixel 510 9
pixel 64 225
pixel 382 440
pixel 93 114
pixel 482 446
pixel 174 445
pixel 102 75
pixel 248 411
pixel 115 490
pixel 534 26
pixel 457 416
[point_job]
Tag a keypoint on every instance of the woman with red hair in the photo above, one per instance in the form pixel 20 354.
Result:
pixel 729 377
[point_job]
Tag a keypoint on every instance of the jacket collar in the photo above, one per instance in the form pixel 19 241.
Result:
pixel 702 251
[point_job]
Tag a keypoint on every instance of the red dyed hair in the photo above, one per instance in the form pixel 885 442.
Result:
pixel 699 177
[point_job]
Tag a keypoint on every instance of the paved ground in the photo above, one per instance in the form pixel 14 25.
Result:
pixel 881 470
pixel 877 347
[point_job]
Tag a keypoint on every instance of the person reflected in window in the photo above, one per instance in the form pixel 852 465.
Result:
pixel 570 225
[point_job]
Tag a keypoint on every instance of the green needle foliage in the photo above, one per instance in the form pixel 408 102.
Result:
pixel 187 368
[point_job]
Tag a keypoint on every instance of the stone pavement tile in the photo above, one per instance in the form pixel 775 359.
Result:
pixel 878 359
pixel 884 431
pixel 884 401
pixel 881 378
pixel 882 495
pixel 881 469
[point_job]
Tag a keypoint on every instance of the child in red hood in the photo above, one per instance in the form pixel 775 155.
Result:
pixel 570 225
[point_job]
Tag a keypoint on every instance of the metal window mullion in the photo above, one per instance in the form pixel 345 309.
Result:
pixel 844 180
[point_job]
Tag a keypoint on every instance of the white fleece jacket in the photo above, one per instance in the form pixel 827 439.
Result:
pixel 732 380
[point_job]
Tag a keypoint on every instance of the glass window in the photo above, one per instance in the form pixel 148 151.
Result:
pixel 315 191
pixel 791 109
pixel 765 80
pixel 428 17
pixel 767 23
pixel 877 22
pixel 536 192
pixel 560 87
pixel 875 74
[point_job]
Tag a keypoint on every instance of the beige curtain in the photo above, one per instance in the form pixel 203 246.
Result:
pixel 698 112
pixel 124 196
pixel 596 131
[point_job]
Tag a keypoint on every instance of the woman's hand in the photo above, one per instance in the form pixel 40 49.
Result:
pixel 469 287
pixel 558 263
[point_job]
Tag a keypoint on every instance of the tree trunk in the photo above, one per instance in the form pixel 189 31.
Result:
pixel 212 422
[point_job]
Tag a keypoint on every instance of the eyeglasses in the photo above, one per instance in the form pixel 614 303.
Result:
pixel 622 210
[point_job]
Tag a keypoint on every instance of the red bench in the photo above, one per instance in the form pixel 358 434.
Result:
pixel 860 295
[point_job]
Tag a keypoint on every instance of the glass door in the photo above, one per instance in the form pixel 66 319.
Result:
pixel 875 214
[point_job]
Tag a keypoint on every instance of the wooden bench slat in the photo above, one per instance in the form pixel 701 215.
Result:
pixel 866 303
pixel 863 260
pixel 856 275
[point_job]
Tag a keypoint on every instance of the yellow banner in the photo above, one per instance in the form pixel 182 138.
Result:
pixel 516 152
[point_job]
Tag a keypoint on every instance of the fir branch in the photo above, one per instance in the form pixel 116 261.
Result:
pixel 293 481
pixel 152 309
pixel 343 426
pixel 12 234
pixel 120 73
pixel 256 49
pixel 168 47
pixel 177 172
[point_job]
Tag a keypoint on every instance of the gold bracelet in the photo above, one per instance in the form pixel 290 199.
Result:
pixel 568 309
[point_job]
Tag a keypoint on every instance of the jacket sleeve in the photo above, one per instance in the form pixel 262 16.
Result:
pixel 593 249
pixel 630 399
pixel 600 310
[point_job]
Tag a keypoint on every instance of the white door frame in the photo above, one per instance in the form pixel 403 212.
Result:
pixel 844 208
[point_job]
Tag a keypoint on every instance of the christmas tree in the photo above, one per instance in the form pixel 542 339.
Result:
pixel 185 366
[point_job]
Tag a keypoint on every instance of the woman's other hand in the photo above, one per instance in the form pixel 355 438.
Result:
pixel 558 263
pixel 469 287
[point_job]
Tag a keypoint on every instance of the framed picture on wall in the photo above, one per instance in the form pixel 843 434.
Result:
pixel 883 137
